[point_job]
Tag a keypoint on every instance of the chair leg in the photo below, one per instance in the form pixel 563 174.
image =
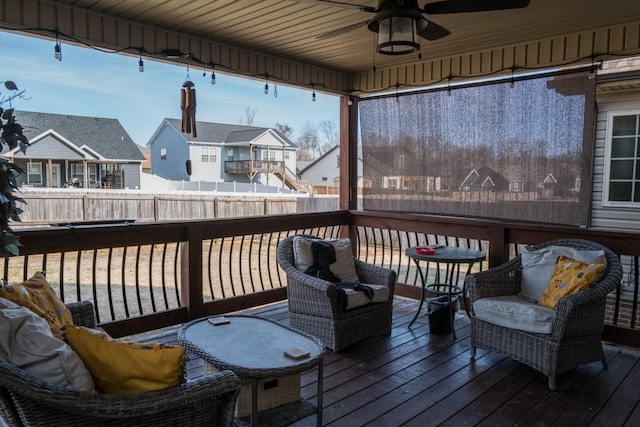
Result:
pixel 473 352
pixel 552 383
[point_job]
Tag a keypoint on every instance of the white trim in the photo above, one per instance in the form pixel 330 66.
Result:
pixel 55 135
pixel 607 160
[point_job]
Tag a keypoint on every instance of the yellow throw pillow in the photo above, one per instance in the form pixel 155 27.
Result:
pixel 569 277
pixel 119 367
pixel 37 295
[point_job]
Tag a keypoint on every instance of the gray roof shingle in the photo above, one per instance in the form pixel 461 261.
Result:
pixel 107 137
pixel 222 132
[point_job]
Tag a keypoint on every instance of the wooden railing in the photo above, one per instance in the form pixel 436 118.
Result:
pixel 148 276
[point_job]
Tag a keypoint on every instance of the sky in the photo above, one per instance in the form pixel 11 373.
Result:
pixel 88 82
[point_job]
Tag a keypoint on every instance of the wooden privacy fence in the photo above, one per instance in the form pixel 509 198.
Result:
pixel 62 207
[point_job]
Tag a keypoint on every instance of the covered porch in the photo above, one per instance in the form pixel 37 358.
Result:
pixel 180 271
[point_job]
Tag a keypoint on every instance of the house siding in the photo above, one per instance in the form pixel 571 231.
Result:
pixel 50 147
pixel 174 166
pixel 610 216
pixel 131 173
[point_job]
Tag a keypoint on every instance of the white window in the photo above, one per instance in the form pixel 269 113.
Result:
pixel 622 159
pixel 230 154
pixel 163 153
pixel 93 173
pixel 286 155
pixel 77 171
pixel 272 155
pixel 208 155
pixel 401 161
pixel 34 173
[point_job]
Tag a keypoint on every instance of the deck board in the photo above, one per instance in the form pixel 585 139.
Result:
pixel 413 378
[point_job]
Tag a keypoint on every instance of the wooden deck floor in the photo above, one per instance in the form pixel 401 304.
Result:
pixel 412 378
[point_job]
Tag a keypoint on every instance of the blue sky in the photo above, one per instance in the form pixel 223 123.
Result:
pixel 88 82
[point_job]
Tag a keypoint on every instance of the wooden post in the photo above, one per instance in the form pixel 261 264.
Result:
pixel 191 272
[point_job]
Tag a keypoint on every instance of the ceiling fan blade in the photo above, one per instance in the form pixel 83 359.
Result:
pixel 432 31
pixel 340 4
pixel 461 6
pixel 342 30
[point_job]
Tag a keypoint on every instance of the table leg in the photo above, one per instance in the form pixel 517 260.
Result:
pixel 422 279
pixel 254 402
pixel 320 390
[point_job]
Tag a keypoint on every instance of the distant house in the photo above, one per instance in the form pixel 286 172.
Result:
pixel 223 152
pixel 484 179
pixel 324 172
pixel 76 151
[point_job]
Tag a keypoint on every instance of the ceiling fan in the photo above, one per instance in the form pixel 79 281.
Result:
pixel 399 22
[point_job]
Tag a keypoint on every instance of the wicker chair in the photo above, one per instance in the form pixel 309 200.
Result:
pixel 576 335
pixel 314 307
pixel 27 401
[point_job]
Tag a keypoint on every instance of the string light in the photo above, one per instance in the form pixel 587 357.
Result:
pixel 313 93
pixel 266 84
pixel 57 50
pixel 213 74
pixel 275 90
pixel 140 63
pixel 177 54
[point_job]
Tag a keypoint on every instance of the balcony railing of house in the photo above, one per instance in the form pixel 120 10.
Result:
pixel 253 166
pixel 143 277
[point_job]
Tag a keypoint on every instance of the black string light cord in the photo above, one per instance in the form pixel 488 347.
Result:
pixel 596 62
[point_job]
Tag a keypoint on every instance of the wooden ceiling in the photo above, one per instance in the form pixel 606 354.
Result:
pixel 280 38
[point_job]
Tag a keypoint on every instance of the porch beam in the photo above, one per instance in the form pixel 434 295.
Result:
pixel 43 18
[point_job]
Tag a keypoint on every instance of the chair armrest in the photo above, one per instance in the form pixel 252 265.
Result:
pixel 498 281
pixel 83 313
pixel 582 313
pixel 193 402
pixel 375 275
pixel 309 295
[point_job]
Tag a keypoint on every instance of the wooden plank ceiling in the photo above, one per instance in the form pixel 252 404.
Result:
pixel 280 38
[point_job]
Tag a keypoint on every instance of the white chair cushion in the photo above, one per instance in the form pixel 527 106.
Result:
pixel 538 266
pixel 359 298
pixel 344 268
pixel 26 341
pixel 515 312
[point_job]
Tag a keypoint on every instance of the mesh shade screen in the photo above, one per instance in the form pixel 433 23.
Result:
pixel 491 151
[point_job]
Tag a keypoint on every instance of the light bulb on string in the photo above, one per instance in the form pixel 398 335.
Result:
pixel 313 93
pixel 57 49
pixel 140 64
pixel 266 84
pixel 275 90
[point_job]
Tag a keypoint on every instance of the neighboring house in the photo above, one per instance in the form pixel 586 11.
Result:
pixel 325 172
pixel 76 151
pixel 484 179
pixel 146 164
pixel 223 152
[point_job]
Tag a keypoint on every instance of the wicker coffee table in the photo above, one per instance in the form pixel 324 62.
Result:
pixel 254 348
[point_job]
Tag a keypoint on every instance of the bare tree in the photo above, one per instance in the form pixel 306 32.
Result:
pixel 308 143
pixel 329 134
pixel 284 129
pixel 249 115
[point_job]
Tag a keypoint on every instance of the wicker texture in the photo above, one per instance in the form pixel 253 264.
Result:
pixel 575 338
pixel 314 307
pixel 26 401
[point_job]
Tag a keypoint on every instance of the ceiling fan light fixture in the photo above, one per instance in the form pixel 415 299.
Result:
pixel 397 35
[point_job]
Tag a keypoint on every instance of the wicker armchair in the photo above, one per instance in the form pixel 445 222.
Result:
pixel 314 307
pixel 575 338
pixel 26 401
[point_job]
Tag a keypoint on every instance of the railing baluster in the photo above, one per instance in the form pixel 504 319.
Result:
pixel 124 280
pixel 137 281
pixel 110 297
